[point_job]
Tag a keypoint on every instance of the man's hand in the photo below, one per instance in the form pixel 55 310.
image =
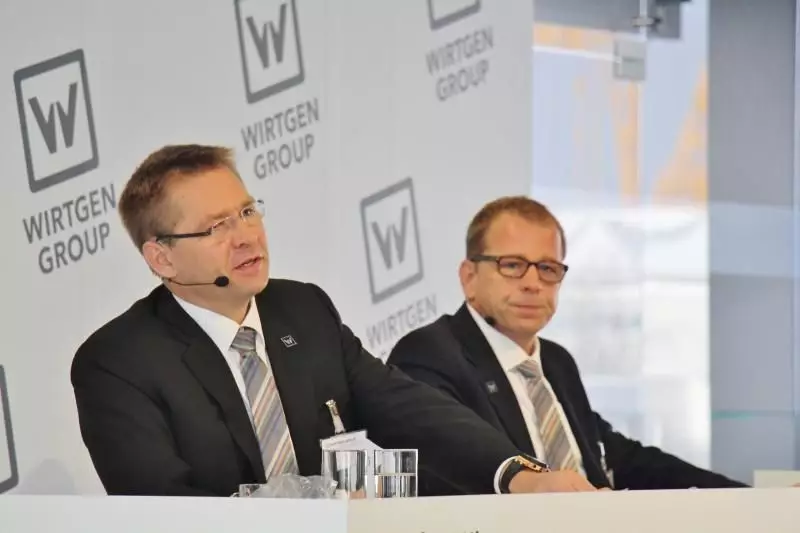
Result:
pixel 558 481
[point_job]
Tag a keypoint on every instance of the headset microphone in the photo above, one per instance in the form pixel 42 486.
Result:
pixel 219 281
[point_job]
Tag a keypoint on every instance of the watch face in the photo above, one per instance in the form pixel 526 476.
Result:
pixel 533 464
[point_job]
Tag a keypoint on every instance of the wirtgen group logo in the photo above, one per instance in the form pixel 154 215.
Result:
pixel 459 64
pixel 272 62
pixel 394 261
pixel 391 238
pixel 55 115
pixel 9 475
pixel 59 141
pixel 444 12
pixel 269 40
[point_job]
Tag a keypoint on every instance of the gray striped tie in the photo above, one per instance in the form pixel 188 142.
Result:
pixel 269 420
pixel 557 448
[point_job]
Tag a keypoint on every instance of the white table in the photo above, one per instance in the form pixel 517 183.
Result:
pixel 685 511
pixel 679 511
pixel 769 479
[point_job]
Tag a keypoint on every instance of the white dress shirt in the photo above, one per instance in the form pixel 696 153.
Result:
pixel 510 355
pixel 222 330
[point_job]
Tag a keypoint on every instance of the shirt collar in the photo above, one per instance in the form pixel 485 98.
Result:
pixel 221 329
pixel 509 354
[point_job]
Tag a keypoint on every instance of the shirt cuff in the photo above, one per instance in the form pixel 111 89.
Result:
pixel 499 474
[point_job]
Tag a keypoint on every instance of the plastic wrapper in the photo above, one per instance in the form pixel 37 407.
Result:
pixel 296 487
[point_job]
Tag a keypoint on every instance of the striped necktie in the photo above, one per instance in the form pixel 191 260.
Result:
pixel 269 420
pixel 557 448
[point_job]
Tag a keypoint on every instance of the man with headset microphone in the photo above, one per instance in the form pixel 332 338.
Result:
pixel 490 356
pixel 221 376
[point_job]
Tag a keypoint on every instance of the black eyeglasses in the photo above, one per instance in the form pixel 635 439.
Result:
pixel 514 266
pixel 250 215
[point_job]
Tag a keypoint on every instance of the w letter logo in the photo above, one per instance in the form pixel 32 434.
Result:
pixel 391 239
pixel 55 116
pixel 269 41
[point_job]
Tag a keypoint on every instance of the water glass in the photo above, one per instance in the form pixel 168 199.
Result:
pixel 395 473
pixel 351 471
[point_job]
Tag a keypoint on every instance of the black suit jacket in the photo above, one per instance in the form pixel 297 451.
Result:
pixel 160 412
pixel 453 355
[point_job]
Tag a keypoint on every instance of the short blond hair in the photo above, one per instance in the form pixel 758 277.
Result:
pixel 522 206
pixel 142 204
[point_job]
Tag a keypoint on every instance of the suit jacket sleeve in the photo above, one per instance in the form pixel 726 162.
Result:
pixel 637 466
pixel 399 412
pixel 117 419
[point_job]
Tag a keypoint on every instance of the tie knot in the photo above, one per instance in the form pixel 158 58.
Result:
pixel 245 341
pixel 530 369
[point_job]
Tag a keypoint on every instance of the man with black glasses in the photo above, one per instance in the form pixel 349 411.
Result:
pixel 489 357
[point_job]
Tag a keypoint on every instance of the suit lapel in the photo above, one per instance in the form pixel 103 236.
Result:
pixel 554 373
pixel 289 358
pixel 493 378
pixel 208 365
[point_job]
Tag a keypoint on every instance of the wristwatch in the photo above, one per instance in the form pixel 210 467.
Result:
pixel 518 464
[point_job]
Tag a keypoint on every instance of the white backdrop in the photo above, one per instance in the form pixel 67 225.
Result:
pixel 372 129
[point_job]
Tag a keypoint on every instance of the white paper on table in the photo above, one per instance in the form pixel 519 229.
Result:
pixel 352 440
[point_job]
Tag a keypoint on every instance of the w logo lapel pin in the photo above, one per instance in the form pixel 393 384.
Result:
pixel 288 341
